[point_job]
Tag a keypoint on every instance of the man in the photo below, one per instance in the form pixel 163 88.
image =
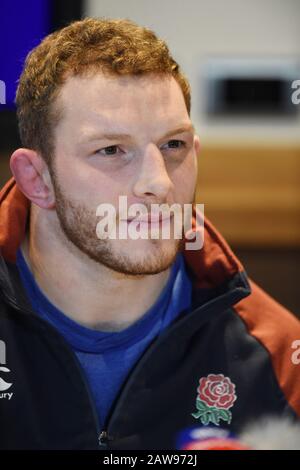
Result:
pixel 122 342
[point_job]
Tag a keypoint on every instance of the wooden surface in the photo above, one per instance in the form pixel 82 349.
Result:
pixel 252 194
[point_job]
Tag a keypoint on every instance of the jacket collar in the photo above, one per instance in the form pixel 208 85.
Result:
pixel 214 266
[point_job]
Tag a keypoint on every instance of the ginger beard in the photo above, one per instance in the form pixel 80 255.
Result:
pixel 129 257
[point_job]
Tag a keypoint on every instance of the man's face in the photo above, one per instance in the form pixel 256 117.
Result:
pixel 122 136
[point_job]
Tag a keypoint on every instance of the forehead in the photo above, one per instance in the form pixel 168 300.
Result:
pixel 101 99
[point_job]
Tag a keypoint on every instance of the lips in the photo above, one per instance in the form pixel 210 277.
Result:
pixel 151 218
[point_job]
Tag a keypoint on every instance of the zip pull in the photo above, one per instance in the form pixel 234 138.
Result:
pixel 104 439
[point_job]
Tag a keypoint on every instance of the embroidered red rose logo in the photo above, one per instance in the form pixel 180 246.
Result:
pixel 216 394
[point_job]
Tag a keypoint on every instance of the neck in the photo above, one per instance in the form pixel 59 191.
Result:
pixel 86 291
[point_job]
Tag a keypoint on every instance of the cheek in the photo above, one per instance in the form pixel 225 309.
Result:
pixel 87 185
pixel 184 179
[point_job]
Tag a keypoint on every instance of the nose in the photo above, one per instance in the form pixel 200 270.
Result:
pixel 153 178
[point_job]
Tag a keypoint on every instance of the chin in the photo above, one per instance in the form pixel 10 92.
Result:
pixel 142 257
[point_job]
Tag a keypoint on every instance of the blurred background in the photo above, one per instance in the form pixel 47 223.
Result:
pixel 241 58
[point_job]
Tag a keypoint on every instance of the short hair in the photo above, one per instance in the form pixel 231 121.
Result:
pixel 114 46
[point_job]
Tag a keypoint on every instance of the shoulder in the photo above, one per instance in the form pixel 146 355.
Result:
pixel 278 331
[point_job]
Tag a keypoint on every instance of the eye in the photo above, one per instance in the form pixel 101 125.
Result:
pixel 175 144
pixel 112 150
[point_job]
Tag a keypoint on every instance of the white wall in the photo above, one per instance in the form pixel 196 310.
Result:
pixel 197 29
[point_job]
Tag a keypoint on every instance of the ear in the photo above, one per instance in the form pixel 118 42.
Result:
pixel 197 145
pixel 32 177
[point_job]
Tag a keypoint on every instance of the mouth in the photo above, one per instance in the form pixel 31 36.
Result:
pixel 155 220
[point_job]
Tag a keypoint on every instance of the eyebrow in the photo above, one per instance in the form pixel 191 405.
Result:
pixel 113 136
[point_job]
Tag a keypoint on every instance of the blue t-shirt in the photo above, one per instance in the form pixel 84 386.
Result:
pixel 106 358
